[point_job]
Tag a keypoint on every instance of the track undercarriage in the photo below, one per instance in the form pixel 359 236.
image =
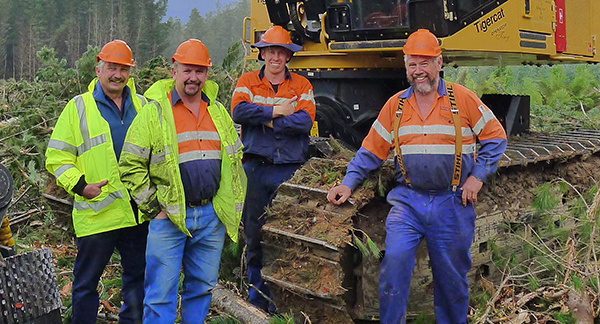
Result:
pixel 327 257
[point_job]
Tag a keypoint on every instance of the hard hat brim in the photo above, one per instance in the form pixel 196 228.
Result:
pixel 98 58
pixel 184 61
pixel 292 47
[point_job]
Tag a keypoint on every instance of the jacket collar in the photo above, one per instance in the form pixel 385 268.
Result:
pixel 261 73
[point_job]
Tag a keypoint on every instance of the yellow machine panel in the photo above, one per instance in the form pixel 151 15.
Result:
pixel 579 28
pixel 505 32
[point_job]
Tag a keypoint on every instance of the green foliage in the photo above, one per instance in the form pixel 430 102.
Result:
pixel 282 319
pixel 562 96
pixel 63 81
pixel 223 319
pixel 546 198
pixel 231 256
pixel 156 69
pixel 226 75
pixel 565 318
pixel 365 245
pixel 86 65
pixel 534 283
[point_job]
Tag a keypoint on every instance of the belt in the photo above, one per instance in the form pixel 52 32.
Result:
pixel 202 202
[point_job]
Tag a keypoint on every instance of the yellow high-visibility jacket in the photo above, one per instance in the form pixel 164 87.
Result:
pixel 81 144
pixel 149 162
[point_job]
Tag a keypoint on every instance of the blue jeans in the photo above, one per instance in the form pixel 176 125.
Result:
pixel 93 253
pixel 168 249
pixel 448 228
pixel 263 181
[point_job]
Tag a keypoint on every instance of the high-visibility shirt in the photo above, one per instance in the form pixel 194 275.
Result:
pixel 149 163
pixel 428 142
pixel 199 150
pixel 252 107
pixel 81 145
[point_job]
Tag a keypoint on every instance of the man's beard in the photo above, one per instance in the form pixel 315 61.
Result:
pixel 423 88
pixel 191 94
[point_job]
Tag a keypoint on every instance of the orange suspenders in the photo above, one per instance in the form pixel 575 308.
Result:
pixel 457 132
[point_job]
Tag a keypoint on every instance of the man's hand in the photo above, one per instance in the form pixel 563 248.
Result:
pixel 470 189
pixel 285 109
pixel 341 191
pixel 92 190
pixel 161 215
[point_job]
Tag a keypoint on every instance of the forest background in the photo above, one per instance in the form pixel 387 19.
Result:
pixel 69 26
pixel 47 56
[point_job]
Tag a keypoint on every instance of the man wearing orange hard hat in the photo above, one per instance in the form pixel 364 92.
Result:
pixel 83 154
pixel 433 127
pixel 182 163
pixel 276 109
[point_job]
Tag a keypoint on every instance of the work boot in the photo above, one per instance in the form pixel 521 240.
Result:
pixel 255 297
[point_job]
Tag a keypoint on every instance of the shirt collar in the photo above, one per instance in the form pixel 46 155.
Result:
pixel 261 73
pixel 175 97
pixel 441 90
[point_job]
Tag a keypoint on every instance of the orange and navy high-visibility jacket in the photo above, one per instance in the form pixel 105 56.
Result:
pixel 199 150
pixel 428 143
pixel 252 107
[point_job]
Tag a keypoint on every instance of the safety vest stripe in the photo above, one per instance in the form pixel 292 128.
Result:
pixel 159 157
pixel 158 110
pixel 433 130
pixel 91 142
pixel 197 135
pixel 62 146
pixel 136 150
pixel 239 207
pixel 172 210
pixel 436 149
pixel 142 99
pixel 88 142
pixel 270 101
pixel 232 149
pixel 143 196
pixel 82 205
pixel 487 115
pixel 387 136
pixel 83 126
pixel 244 90
pixel 62 169
pixel 199 155
pixel 308 96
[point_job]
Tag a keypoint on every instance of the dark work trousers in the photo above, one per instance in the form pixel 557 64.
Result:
pixel 94 252
pixel 263 180
pixel 439 218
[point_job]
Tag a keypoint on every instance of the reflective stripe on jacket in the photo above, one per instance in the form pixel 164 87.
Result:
pixel 149 162
pixel 252 107
pixel 81 144
pixel 427 143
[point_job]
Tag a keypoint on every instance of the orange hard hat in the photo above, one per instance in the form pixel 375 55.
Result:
pixel 422 42
pixel 277 36
pixel 116 51
pixel 192 51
